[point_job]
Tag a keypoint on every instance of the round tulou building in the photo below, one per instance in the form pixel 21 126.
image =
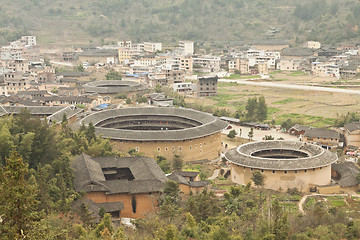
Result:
pixel 285 164
pixel 191 134
pixel 113 86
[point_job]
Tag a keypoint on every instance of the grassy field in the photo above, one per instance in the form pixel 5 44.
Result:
pixel 317 109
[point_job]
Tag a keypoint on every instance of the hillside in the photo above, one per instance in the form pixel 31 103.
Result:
pixel 73 22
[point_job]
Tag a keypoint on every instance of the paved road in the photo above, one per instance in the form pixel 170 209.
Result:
pixel 293 86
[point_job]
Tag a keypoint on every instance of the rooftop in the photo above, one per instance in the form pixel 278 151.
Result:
pixel 204 124
pixel 91 173
pixel 282 155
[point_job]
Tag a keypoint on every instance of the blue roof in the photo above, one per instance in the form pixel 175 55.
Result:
pixel 104 105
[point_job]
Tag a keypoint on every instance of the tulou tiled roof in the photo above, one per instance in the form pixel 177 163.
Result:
pixel 89 175
pixel 113 86
pixel 208 124
pixel 317 156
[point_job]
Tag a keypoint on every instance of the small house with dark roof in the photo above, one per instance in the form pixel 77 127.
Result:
pixel 298 129
pixel 135 181
pixel 352 134
pixel 323 137
pixel 188 181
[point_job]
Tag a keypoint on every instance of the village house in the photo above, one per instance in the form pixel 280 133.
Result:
pixel 270 45
pixel 136 182
pixel 352 134
pixel 189 182
pixel 186 47
pixel 100 55
pixel 323 137
pixel 207 86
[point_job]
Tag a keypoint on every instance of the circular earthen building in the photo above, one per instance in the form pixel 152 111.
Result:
pixel 161 131
pixel 285 164
pixel 113 86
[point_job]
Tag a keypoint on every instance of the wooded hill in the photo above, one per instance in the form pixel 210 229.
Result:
pixel 69 22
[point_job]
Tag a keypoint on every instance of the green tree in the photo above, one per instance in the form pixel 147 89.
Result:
pixel 258 178
pixel 128 101
pixel 105 223
pixel 177 162
pixel 232 134
pixel 269 137
pixel 280 226
pixel 203 205
pixel 6 143
pixel 251 107
pixel 261 111
pixel 158 88
pixel 113 75
pixel 169 200
pixel 251 133
pixel 18 204
pixel 163 163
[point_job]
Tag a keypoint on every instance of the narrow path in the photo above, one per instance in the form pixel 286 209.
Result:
pixel 215 174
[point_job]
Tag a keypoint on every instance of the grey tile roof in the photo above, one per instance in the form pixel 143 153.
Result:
pixel 209 124
pixel 187 173
pixel 70 111
pixel 300 128
pixel 195 184
pixel 300 52
pixel 318 157
pixel 179 179
pixel 99 53
pixel 351 127
pixel 348 172
pixel 64 99
pixel 89 175
pixel 322 133
pixel 34 110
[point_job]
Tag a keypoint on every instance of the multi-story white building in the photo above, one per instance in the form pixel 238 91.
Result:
pixel 152 47
pixel 124 44
pixel 288 65
pixel 186 47
pixel 321 69
pixel 183 87
pixel 28 40
pixel 206 63
pixel 15 82
pixel 313 45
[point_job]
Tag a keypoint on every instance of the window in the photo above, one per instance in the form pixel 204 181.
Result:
pixel 251 169
pixel 273 171
pixel 180 148
pixel 166 149
pixel 173 148
pixel 137 149
pixel 190 147
pixel 158 149
pixel 285 172
pixel 305 170
pixel 295 171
